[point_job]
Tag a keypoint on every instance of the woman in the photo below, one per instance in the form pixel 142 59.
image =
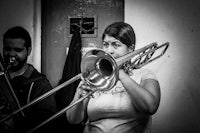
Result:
pixel 129 105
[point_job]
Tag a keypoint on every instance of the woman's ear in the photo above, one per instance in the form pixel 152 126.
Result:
pixel 132 48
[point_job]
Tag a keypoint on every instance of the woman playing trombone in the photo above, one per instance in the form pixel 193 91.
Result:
pixel 129 105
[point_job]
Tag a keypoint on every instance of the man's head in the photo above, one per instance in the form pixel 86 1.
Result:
pixel 16 44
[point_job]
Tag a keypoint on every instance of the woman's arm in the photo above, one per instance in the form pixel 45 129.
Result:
pixel 145 96
pixel 77 113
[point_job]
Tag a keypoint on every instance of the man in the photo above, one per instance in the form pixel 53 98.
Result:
pixel 27 82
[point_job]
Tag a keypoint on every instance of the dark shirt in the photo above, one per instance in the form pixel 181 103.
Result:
pixel 27 87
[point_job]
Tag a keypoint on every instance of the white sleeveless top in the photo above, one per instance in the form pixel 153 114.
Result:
pixel 112 111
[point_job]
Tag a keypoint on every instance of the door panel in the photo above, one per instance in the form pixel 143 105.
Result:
pixel 56 37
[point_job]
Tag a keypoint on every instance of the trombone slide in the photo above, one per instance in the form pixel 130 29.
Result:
pixel 100 69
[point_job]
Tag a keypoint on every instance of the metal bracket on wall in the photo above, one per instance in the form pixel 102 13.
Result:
pixel 86 25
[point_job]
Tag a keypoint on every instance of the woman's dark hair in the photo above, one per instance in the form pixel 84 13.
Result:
pixel 18 32
pixel 122 32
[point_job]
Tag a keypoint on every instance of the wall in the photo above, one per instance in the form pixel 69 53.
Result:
pixel 177 22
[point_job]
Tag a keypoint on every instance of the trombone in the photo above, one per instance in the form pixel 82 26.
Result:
pixel 101 70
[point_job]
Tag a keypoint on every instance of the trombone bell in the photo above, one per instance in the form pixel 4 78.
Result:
pixel 99 69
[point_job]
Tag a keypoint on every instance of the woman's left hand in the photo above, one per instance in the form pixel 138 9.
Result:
pixel 122 74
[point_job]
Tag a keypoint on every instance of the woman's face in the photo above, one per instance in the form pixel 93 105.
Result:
pixel 115 47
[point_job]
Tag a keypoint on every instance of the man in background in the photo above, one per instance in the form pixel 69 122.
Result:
pixel 27 82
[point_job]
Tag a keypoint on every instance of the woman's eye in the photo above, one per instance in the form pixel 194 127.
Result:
pixel 116 44
pixel 105 44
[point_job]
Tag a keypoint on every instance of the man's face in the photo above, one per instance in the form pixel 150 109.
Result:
pixel 15 48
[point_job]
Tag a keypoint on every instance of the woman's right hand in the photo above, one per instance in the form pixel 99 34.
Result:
pixel 85 89
pixel 78 113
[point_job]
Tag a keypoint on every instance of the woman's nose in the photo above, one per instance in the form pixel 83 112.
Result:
pixel 110 50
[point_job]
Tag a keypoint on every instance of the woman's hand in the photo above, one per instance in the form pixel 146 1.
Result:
pixel 85 89
pixel 122 74
pixel 78 113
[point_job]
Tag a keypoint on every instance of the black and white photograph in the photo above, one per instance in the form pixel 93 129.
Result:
pixel 99 66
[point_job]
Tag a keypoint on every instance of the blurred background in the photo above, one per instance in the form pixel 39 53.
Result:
pixel 173 21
